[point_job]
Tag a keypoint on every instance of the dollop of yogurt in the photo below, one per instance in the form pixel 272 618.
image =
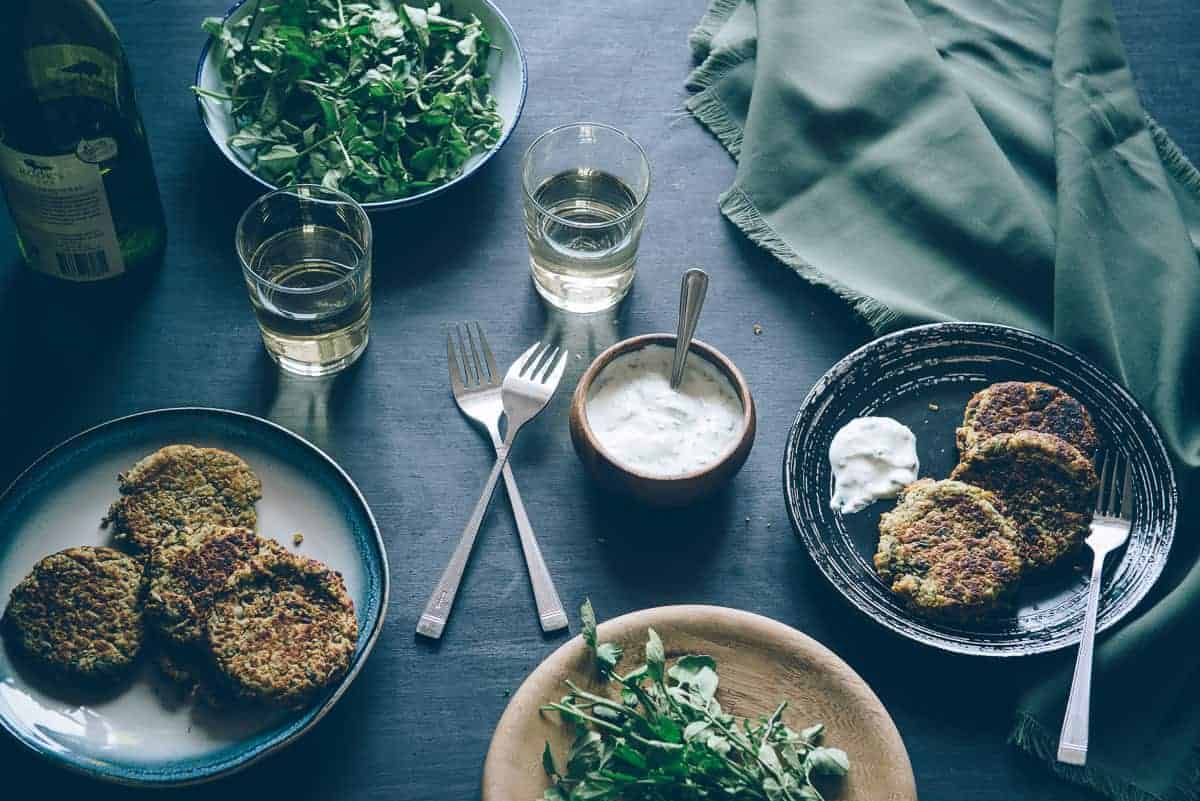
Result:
pixel 871 458
pixel 644 425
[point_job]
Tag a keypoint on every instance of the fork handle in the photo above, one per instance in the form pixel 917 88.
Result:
pixel 550 610
pixel 437 608
pixel 1073 741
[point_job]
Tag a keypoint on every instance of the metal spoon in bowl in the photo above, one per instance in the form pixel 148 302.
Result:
pixel 691 300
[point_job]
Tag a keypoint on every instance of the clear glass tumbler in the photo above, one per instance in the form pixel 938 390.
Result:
pixel 585 188
pixel 306 256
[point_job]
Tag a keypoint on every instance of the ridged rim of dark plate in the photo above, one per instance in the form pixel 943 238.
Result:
pixel 806 483
pixel 140 777
pixel 395 203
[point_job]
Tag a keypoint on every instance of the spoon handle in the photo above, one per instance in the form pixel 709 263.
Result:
pixel 691 300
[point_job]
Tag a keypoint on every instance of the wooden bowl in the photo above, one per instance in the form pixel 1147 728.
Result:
pixel 653 490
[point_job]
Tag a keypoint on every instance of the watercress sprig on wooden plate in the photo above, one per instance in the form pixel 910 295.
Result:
pixel 665 736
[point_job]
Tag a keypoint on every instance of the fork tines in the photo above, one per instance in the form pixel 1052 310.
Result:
pixel 472 363
pixel 542 360
pixel 1114 495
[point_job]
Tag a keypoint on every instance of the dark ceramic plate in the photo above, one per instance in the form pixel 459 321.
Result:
pixel 923 377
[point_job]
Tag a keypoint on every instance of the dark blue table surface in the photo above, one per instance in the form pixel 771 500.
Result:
pixel 417 722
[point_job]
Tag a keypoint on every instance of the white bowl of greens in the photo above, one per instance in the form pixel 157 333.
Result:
pixel 389 102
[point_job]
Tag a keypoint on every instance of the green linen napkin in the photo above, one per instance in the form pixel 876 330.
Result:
pixel 989 160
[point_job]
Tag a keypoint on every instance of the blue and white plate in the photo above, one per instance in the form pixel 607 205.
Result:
pixel 146 734
pixel 506 66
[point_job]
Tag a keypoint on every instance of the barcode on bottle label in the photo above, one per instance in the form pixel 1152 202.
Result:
pixel 60 207
pixel 83 265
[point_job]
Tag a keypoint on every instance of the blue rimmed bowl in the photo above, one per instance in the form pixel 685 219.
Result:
pixel 506 66
pixel 144 733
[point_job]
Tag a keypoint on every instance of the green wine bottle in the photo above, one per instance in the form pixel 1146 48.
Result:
pixel 74 162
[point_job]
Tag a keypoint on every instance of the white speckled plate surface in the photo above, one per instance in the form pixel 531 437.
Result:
pixel 144 732
pixel 923 377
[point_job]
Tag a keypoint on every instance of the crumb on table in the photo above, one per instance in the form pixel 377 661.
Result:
pixel 297 538
pixel 758 329
pixel 933 407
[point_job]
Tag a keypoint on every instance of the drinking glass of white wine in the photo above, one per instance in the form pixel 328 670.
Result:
pixel 306 256
pixel 585 187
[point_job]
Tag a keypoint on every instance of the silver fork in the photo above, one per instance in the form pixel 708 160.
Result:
pixel 476 388
pixel 528 386
pixel 1110 528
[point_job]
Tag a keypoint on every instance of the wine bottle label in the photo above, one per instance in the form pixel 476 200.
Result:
pixel 94 151
pixel 62 214
pixel 57 71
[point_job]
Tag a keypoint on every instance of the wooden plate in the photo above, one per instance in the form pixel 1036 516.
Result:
pixel 761 662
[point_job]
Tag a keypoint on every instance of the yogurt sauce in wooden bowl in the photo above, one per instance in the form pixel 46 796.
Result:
pixel 646 426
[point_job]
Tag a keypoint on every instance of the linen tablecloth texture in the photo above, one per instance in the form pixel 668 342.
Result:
pixel 989 160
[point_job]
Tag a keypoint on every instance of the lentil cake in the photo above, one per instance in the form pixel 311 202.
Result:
pixel 1047 486
pixel 1013 406
pixel 948 549
pixel 178 487
pixel 79 614
pixel 190 668
pixel 190 570
pixel 284 630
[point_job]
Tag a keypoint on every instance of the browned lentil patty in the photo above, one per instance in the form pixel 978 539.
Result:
pixel 284 631
pixel 191 669
pixel 182 486
pixel 79 613
pixel 947 549
pixel 177 664
pixel 1047 486
pixel 190 570
pixel 1027 406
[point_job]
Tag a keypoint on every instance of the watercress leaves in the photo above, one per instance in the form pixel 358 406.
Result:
pixel 587 617
pixel 827 762
pixel 697 673
pixel 663 736
pixel 381 100
pixel 655 656
pixel 607 654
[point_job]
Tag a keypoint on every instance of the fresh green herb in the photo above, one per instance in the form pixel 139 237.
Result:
pixel 664 737
pixel 380 100
pixel 608 654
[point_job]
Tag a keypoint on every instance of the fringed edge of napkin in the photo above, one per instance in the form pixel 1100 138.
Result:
pixel 706 106
pixel 741 211
pixel 1030 736
pixel 701 37
pixel 1172 157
